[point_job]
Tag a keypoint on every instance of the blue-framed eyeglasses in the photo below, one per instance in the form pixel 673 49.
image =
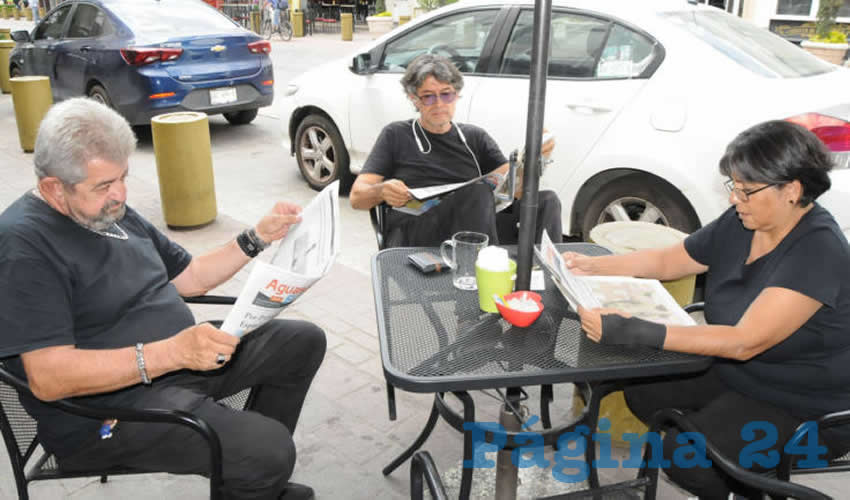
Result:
pixel 446 97
pixel 743 195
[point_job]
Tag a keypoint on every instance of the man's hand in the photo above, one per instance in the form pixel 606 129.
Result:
pixel 395 192
pixel 198 347
pixel 579 264
pixel 277 222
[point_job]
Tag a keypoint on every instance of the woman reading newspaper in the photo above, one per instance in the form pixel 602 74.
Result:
pixel 777 306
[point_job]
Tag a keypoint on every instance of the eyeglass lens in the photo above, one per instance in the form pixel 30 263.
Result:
pixel 431 99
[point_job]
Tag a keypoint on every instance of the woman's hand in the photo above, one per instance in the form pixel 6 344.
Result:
pixel 581 265
pixel 591 321
pixel 395 192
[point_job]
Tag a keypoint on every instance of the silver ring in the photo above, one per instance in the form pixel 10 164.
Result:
pixel 220 359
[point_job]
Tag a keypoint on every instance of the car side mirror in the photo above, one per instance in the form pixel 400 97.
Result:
pixel 362 64
pixel 21 36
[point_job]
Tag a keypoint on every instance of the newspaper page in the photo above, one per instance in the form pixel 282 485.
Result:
pixel 426 198
pixel 644 298
pixel 303 257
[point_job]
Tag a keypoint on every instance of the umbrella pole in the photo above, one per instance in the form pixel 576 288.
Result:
pixel 533 139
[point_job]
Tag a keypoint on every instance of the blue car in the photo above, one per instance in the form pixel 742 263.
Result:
pixel 147 57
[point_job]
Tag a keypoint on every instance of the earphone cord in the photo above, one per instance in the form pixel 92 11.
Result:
pixel 425 135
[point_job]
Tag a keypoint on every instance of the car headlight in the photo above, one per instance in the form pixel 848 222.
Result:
pixel 291 89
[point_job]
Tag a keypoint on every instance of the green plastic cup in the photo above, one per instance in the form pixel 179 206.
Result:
pixel 490 282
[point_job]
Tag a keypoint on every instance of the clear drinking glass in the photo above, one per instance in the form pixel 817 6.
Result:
pixel 465 246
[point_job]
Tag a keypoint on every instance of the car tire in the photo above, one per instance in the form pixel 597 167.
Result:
pixel 243 117
pixel 321 154
pixel 638 197
pixel 99 94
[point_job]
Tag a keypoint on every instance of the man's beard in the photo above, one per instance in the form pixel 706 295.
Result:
pixel 104 219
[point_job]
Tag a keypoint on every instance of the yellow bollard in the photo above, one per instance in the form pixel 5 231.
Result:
pixel 5 34
pixel 297 21
pixel 256 21
pixel 6 47
pixel 403 20
pixel 31 98
pixel 625 237
pixel 17 14
pixel 181 143
pixel 346 21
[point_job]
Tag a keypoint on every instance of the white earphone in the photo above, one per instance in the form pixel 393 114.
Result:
pixel 425 135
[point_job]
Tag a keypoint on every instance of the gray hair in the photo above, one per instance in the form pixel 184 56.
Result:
pixel 427 65
pixel 76 131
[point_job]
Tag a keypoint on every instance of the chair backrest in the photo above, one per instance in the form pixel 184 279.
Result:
pixel 378 216
pixel 18 428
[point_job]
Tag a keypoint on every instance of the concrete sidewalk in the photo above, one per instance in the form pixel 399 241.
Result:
pixel 344 437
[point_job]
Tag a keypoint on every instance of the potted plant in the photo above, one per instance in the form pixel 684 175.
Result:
pixel 381 22
pixel 828 43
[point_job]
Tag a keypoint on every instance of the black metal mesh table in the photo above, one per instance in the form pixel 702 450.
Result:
pixel 434 338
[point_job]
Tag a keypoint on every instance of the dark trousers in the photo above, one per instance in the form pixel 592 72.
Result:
pixel 719 413
pixel 471 209
pixel 258 454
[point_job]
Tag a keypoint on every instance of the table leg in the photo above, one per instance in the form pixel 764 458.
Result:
pixel 546 397
pixel 426 431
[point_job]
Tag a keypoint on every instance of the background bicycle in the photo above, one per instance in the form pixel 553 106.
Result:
pixel 268 29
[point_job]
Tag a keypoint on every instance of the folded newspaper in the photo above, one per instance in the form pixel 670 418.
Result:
pixel 645 298
pixel 426 198
pixel 303 256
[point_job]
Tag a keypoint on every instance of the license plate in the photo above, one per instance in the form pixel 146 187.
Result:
pixel 223 95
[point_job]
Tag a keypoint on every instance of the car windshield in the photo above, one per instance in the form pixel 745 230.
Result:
pixel 754 48
pixel 166 19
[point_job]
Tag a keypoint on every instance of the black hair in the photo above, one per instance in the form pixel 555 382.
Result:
pixel 779 152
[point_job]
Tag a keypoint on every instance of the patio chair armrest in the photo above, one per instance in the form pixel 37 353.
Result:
pixel 210 299
pixel 694 307
pixel 422 466
pixel 178 417
pixel 767 484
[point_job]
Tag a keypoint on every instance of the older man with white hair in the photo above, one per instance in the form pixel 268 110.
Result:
pixel 91 306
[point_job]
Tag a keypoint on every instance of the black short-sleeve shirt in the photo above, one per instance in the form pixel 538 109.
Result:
pixel 446 159
pixel 807 372
pixel 66 285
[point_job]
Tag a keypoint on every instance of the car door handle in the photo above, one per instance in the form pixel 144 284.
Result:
pixel 587 108
pixel 85 48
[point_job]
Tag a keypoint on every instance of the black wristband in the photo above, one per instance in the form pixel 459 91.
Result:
pixel 250 243
pixel 632 331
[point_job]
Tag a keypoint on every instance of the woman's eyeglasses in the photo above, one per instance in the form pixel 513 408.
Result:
pixel 447 97
pixel 743 195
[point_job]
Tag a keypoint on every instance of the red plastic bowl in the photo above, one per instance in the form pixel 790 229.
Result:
pixel 521 318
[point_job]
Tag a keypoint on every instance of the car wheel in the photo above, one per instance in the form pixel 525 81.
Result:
pixel 636 197
pixel 99 94
pixel 243 117
pixel 321 154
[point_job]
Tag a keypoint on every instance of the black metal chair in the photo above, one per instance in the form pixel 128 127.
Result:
pixel 422 468
pixel 21 438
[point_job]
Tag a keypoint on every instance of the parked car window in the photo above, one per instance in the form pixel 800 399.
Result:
pixel 459 37
pixel 754 48
pixel 88 22
pixel 794 7
pixel 168 19
pixel 627 54
pixel 51 28
pixel 575 44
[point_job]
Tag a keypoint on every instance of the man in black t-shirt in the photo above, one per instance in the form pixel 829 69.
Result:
pixel 91 306
pixel 433 150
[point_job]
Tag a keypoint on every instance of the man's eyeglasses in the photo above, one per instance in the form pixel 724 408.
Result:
pixel 743 195
pixel 447 97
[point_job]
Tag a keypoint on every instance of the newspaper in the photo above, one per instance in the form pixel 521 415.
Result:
pixel 303 256
pixel 644 298
pixel 426 198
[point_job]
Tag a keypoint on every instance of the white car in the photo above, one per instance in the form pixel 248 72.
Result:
pixel 642 97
